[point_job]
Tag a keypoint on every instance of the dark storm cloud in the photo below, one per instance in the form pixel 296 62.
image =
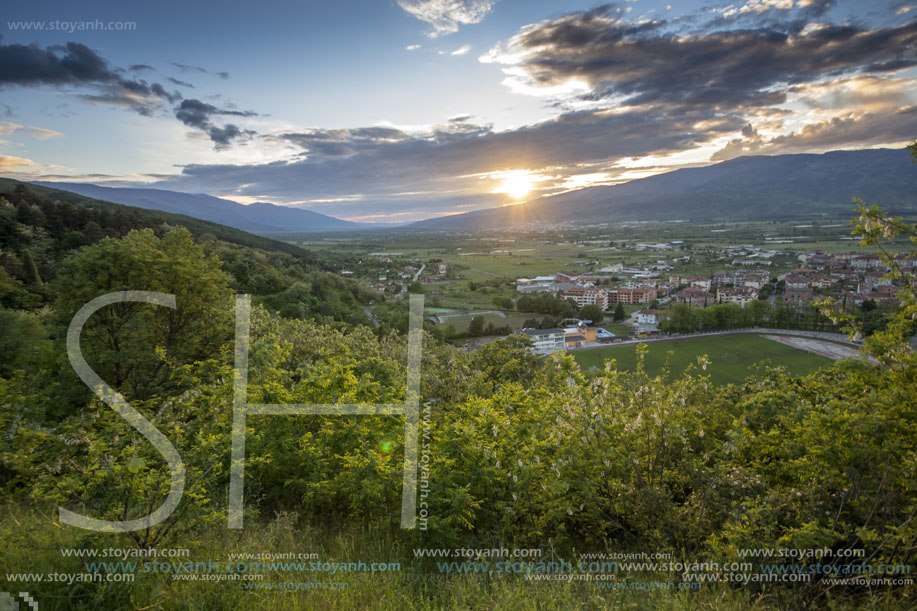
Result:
pixel 197 114
pixel 75 64
pixel 57 65
pixel 728 68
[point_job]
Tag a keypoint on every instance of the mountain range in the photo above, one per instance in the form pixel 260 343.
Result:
pixel 260 218
pixel 747 188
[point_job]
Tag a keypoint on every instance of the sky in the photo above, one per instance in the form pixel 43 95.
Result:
pixel 399 110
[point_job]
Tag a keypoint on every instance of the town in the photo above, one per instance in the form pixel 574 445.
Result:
pixel 591 289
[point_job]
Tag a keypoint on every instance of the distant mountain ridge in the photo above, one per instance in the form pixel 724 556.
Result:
pixel 745 188
pixel 261 218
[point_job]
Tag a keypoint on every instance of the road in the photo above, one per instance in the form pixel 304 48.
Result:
pixel 420 271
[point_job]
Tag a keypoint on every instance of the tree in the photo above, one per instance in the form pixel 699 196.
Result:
pixel 31 270
pixel 134 346
pixel 619 314
pixel 592 312
pixel 476 326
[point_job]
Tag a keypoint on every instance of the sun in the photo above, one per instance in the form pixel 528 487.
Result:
pixel 517 184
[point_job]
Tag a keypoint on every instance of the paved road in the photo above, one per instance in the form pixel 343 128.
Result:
pixel 420 271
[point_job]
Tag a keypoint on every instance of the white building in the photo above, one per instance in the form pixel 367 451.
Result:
pixel 742 295
pixel 546 341
pixel 588 296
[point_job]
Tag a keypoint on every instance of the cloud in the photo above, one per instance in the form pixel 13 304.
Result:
pixel 34 132
pixel 175 81
pixel 412 47
pixel 75 64
pixel 8 163
pixel 72 63
pixel 851 129
pixel 447 15
pixel 449 167
pixel 197 114
pixel 461 50
pixel 198 69
pixel 646 63
pixel 41 133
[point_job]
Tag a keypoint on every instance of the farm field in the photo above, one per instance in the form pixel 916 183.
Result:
pixel 730 356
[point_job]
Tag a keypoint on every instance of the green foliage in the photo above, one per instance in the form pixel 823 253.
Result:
pixel 20 336
pixel 133 346
pixel 683 318
pixel 619 314
pixel 546 303
pixel 592 312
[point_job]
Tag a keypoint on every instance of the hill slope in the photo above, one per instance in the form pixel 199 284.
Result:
pixel 150 218
pixel 746 188
pixel 256 218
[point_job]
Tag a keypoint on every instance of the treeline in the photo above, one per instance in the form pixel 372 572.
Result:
pixel 683 318
pixel 548 303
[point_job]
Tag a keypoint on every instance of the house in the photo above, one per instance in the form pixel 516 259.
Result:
pixel 703 282
pixel 796 281
pixel 742 295
pixel 865 261
pixel 695 296
pixel 797 296
pixel 647 317
pixel 546 341
pixel 820 281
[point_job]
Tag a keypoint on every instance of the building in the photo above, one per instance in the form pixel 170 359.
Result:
pixel 588 296
pixel 695 296
pixel 640 294
pixel 566 277
pixel 797 281
pixel 647 317
pixel 579 335
pixel 798 296
pixel 865 261
pixel 546 341
pixel 742 295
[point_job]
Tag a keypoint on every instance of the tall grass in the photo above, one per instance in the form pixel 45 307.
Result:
pixel 32 541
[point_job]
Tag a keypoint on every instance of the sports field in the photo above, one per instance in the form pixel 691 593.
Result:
pixel 730 356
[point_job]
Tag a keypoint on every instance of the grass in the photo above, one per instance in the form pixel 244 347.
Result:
pixel 33 540
pixel 731 356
